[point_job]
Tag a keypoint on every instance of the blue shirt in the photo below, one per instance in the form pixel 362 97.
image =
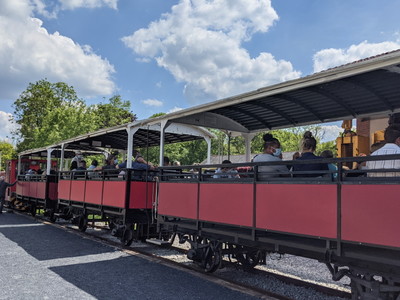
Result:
pixel 310 166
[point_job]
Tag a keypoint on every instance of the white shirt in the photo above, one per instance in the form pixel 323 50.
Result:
pixel 387 149
pixel 272 170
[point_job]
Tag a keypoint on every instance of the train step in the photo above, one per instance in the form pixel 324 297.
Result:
pixel 157 242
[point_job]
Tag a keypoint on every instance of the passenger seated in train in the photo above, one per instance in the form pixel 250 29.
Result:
pixel 308 146
pixel 74 165
pixel 138 159
pixel 139 164
pixel 392 146
pixel 332 167
pixel 78 157
pixel 93 165
pixel 272 153
pixel 29 174
pixel 81 168
pixel 91 168
pixel 226 172
pixel 82 165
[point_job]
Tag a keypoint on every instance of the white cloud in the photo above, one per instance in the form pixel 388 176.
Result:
pixel 200 43
pixel 152 102
pixel 331 132
pixel 72 4
pixel 174 109
pixel 29 53
pixel 329 58
pixel 6 126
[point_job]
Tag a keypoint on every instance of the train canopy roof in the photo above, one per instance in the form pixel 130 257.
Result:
pixel 366 88
pixel 117 138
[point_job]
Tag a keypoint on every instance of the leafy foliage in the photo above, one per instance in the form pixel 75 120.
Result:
pixel 7 152
pixel 51 112
pixel 114 113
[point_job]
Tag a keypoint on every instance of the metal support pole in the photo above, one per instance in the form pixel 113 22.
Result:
pixel 19 165
pixel 129 153
pixel 62 157
pixel 247 140
pixel 48 168
pixel 163 125
pixel 208 140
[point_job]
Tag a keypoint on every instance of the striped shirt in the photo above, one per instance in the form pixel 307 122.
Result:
pixel 387 149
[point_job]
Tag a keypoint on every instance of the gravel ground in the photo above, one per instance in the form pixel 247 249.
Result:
pixel 296 267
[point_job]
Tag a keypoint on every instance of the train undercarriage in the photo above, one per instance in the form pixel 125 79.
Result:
pixel 374 272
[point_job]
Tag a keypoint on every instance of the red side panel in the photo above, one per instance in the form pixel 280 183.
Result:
pixel 300 209
pixel 64 187
pixel 78 190
pixel 178 199
pixel 114 193
pixel 142 195
pixel 53 191
pixel 226 203
pixel 20 187
pixel 32 189
pixel 370 214
pixel 94 192
pixel 40 190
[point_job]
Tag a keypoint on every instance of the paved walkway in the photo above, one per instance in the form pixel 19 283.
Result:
pixel 40 261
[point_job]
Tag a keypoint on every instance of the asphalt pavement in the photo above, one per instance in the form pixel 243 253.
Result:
pixel 39 261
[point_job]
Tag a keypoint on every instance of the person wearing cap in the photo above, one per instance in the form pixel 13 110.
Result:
pixel 3 187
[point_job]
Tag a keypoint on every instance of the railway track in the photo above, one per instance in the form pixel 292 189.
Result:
pixel 99 233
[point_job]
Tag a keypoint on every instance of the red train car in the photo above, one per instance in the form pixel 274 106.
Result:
pixel 348 223
pixel 124 201
pixel 32 190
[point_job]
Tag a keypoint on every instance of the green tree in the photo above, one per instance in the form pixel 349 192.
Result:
pixel 51 112
pixel 114 113
pixel 35 106
pixel 7 152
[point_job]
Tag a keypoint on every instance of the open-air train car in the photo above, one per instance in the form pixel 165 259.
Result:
pixel 348 223
pixel 124 197
pixel 39 191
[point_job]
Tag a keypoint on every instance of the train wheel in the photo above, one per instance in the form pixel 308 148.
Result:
pixel 82 223
pixel 249 258
pixel 111 224
pixel 127 236
pixel 33 210
pixel 52 217
pixel 212 260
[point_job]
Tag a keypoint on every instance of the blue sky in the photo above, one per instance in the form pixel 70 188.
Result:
pixel 166 55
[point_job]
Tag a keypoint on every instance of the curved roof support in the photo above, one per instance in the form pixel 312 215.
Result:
pixel 368 88
pixel 299 103
pixel 212 120
pixel 277 111
pixel 332 97
pixel 251 115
